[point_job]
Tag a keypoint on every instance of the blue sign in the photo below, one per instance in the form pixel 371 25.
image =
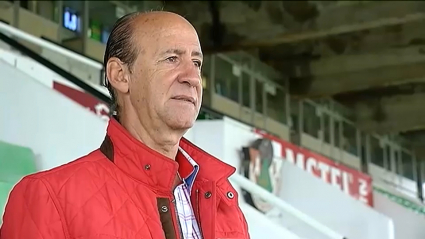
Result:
pixel 71 20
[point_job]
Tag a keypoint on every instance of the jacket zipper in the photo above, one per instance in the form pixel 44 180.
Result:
pixel 198 213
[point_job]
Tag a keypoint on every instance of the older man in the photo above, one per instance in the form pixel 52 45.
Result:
pixel 145 181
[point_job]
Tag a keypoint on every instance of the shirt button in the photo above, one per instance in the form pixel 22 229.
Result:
pixel 164 209
pixel 208 194
pixel 230 195
pixel 147 166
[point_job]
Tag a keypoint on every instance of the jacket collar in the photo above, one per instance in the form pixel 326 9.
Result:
pixel 152 168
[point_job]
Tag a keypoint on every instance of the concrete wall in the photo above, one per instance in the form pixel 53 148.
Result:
pixel 29 22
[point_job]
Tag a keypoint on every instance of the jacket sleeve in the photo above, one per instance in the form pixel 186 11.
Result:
pixel 31 213
pixel 245 227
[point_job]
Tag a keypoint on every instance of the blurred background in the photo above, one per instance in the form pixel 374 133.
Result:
pixel 320 105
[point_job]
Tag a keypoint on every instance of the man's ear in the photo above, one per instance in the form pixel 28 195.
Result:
pixel 117 75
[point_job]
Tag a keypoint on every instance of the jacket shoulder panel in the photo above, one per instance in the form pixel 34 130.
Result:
pixel 32 212
pixel 80 169
pixel 98 199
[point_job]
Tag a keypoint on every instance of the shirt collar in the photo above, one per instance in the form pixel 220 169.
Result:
pixel 188 168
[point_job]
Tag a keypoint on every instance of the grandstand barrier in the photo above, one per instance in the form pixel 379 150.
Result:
pixel 253 188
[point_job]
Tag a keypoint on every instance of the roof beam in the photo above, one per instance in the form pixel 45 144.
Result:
pixel 357 62
pixel 336 30
pixel 393 114
pixel 340 83
pixel 272 23
pixel 342 20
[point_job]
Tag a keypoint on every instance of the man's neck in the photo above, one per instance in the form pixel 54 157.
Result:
pixel 159 139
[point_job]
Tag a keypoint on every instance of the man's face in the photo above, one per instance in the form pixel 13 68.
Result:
pixel 165 85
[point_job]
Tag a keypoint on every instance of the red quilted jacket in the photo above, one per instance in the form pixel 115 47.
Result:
pixel 120 191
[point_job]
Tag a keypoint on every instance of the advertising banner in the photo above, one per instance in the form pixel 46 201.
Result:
pixel 88 101
pixel 351 181
pixel 100 108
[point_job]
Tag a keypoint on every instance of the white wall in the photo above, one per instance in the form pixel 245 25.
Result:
pixel 257 224
pixel 57 129
pixel 330 206
pixel 408 224
pixel 201 133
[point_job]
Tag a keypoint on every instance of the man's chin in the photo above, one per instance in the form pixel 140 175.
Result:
pixel 181 123
pixel 179 119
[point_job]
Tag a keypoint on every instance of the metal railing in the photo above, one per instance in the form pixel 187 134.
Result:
pixel 5 28
pixel 270 198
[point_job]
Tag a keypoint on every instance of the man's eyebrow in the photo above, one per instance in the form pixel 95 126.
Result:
pixel 180 52
pixel 173 51
pixel 198 54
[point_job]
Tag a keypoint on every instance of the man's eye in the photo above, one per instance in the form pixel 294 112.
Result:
pixel 172 59
pixel 197 64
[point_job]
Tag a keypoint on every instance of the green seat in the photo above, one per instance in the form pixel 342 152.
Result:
pixel 15 162
pixel 5 189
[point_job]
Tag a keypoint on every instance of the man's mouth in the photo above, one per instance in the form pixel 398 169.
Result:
pixel 184 98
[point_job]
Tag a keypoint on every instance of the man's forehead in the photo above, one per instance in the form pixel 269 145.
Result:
pixel 163 31
pixel 172 41
pixel 162 23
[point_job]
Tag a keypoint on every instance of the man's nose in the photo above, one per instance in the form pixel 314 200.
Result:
pixel 191 75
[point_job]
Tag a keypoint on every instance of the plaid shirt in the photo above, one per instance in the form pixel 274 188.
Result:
pixel 188 224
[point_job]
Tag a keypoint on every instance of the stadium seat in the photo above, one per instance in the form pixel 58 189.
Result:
pixel 15 162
